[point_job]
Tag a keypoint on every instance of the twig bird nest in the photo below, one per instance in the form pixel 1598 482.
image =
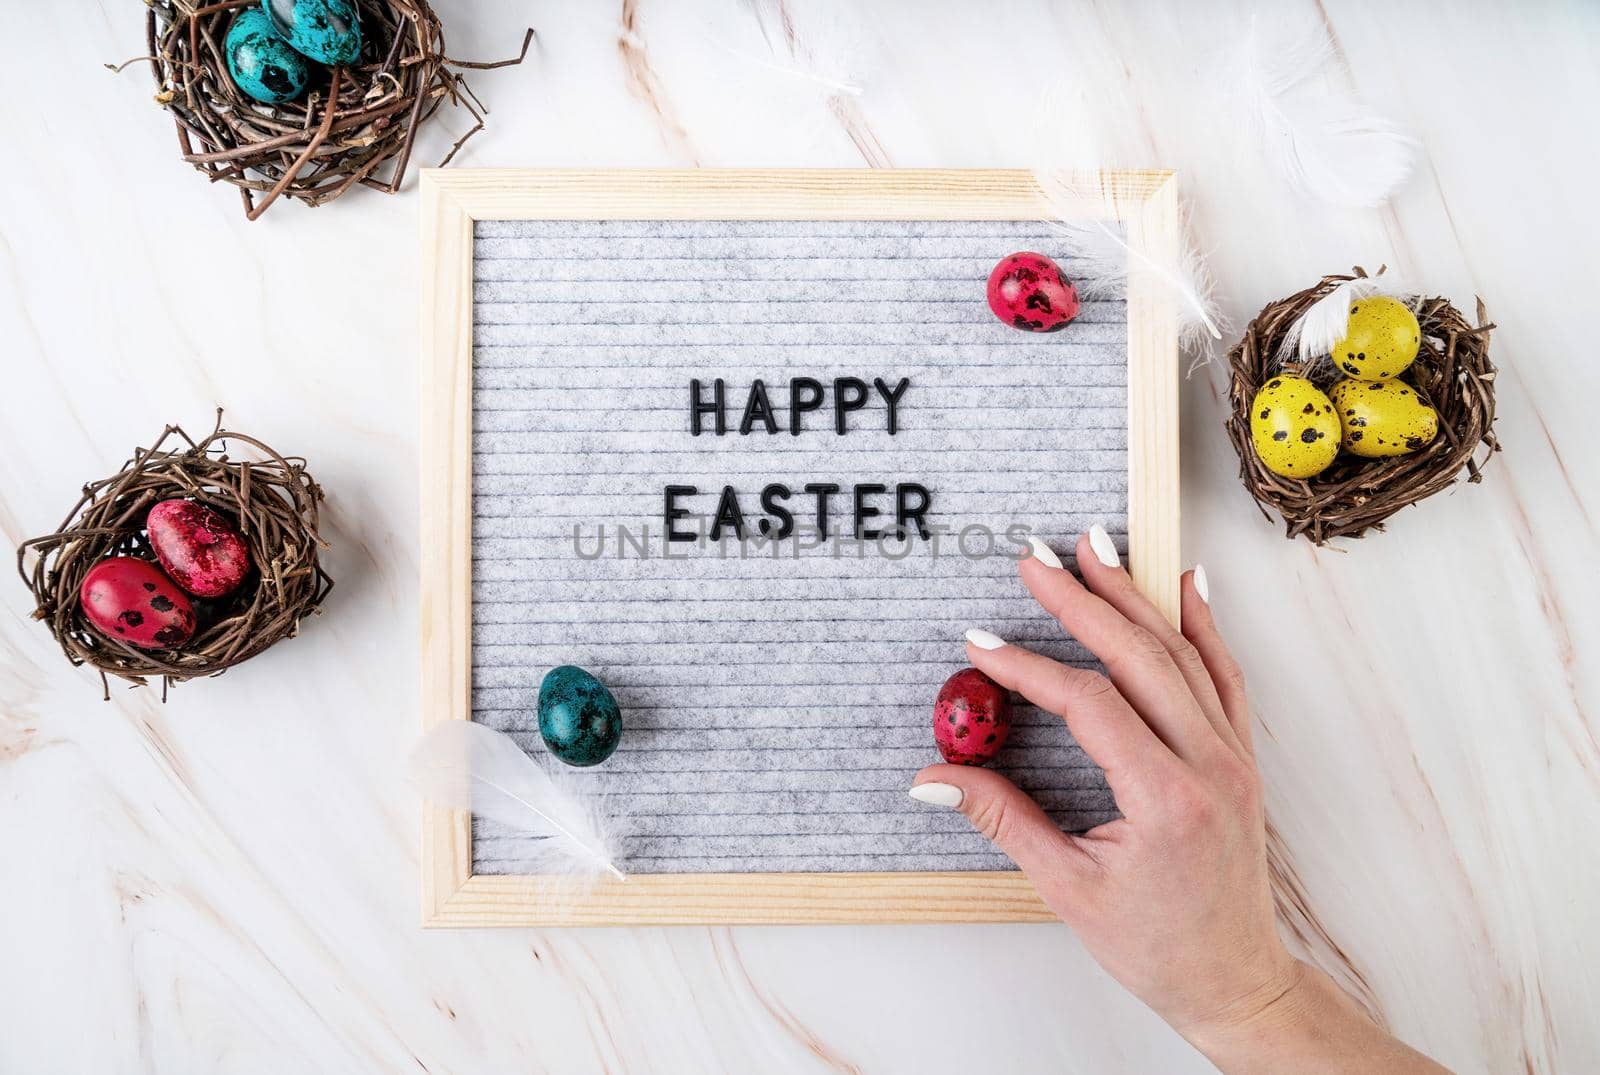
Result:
pixel 351 122
pixel 270 498
pixel 1452 373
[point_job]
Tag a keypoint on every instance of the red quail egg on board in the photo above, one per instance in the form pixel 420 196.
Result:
pixel 1028 291
pixel 971 718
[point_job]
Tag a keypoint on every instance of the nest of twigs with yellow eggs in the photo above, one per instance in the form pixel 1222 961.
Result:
pixel 304 99
pixel 1336 442
pixel 183 563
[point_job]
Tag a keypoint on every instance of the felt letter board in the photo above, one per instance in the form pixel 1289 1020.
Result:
pixel 633 395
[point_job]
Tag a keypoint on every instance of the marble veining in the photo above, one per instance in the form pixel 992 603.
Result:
pixel 229 882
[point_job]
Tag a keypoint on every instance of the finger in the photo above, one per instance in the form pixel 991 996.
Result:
pixel 1136 763
pixel 1136 660
pixel 1011 820
pixel 1116 587
pixel 1228 679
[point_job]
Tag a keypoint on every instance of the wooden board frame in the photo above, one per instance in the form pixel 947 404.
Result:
pixel 452 895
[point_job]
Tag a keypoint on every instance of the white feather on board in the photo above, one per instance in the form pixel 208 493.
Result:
pixel 1104 260
pixel 1328 144
pixel 466 766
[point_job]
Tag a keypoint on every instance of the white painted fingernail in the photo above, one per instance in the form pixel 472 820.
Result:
pixel 1044 553
pixel 984 639
pixel 937 794
pixel 1105 550
pixel 1202 585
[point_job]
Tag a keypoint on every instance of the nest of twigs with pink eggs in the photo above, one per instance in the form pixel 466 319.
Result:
pixel 1451 374
pixel 184 563
pixel 322 123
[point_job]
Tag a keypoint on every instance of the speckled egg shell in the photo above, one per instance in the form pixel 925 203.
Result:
pixel 328 31
pixel 1294 427
pixel 1383 418
pixel 130 600
pixel 1028 291
pixel 1380 341
pixel 261 63
pixel 971 718
pixel 578 719
pixel 198 548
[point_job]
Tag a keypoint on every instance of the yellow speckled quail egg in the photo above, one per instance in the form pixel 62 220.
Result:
pixel 1380 341
pixel 1383 418
pixel 1294 427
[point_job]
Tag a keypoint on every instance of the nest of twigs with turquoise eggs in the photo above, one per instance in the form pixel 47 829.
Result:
pixel 1352 399
pixel 184 563
pixel 305 99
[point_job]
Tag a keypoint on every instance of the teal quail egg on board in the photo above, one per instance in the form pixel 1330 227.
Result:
pixel 328 31
pixel 261 63
pixel 578 718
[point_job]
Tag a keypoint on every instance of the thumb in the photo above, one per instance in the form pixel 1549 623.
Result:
pixel 1005 814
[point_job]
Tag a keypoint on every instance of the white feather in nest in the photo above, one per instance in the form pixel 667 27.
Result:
pixel 466 766
pixel 1310 340
pixel 1329 145
pixel 1103 260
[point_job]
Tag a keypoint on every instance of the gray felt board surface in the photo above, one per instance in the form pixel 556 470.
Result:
pixel 777 699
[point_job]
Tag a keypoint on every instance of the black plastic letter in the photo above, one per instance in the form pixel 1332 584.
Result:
pixel 728 514
pixel 904 509
pixel 698 407
pixel 843 404
pixel 863 512
pixel 673 512
pixel 822 490
pixel 800 404
pixel 769 504
pixel 758 406
pixel 891 398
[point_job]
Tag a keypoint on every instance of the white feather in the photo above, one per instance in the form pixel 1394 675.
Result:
pixel 466 766
pixel 1311 339
pixel 1329 145
pixel 1315 332
pixel 1099 254
pixel 830 47
pixel 1102 260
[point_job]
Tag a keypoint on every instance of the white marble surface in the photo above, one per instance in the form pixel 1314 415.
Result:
pixel 228 883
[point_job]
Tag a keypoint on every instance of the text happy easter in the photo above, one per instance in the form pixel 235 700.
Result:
pixel 907 503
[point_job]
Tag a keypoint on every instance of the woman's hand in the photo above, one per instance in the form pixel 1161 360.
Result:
pixel 1173 898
